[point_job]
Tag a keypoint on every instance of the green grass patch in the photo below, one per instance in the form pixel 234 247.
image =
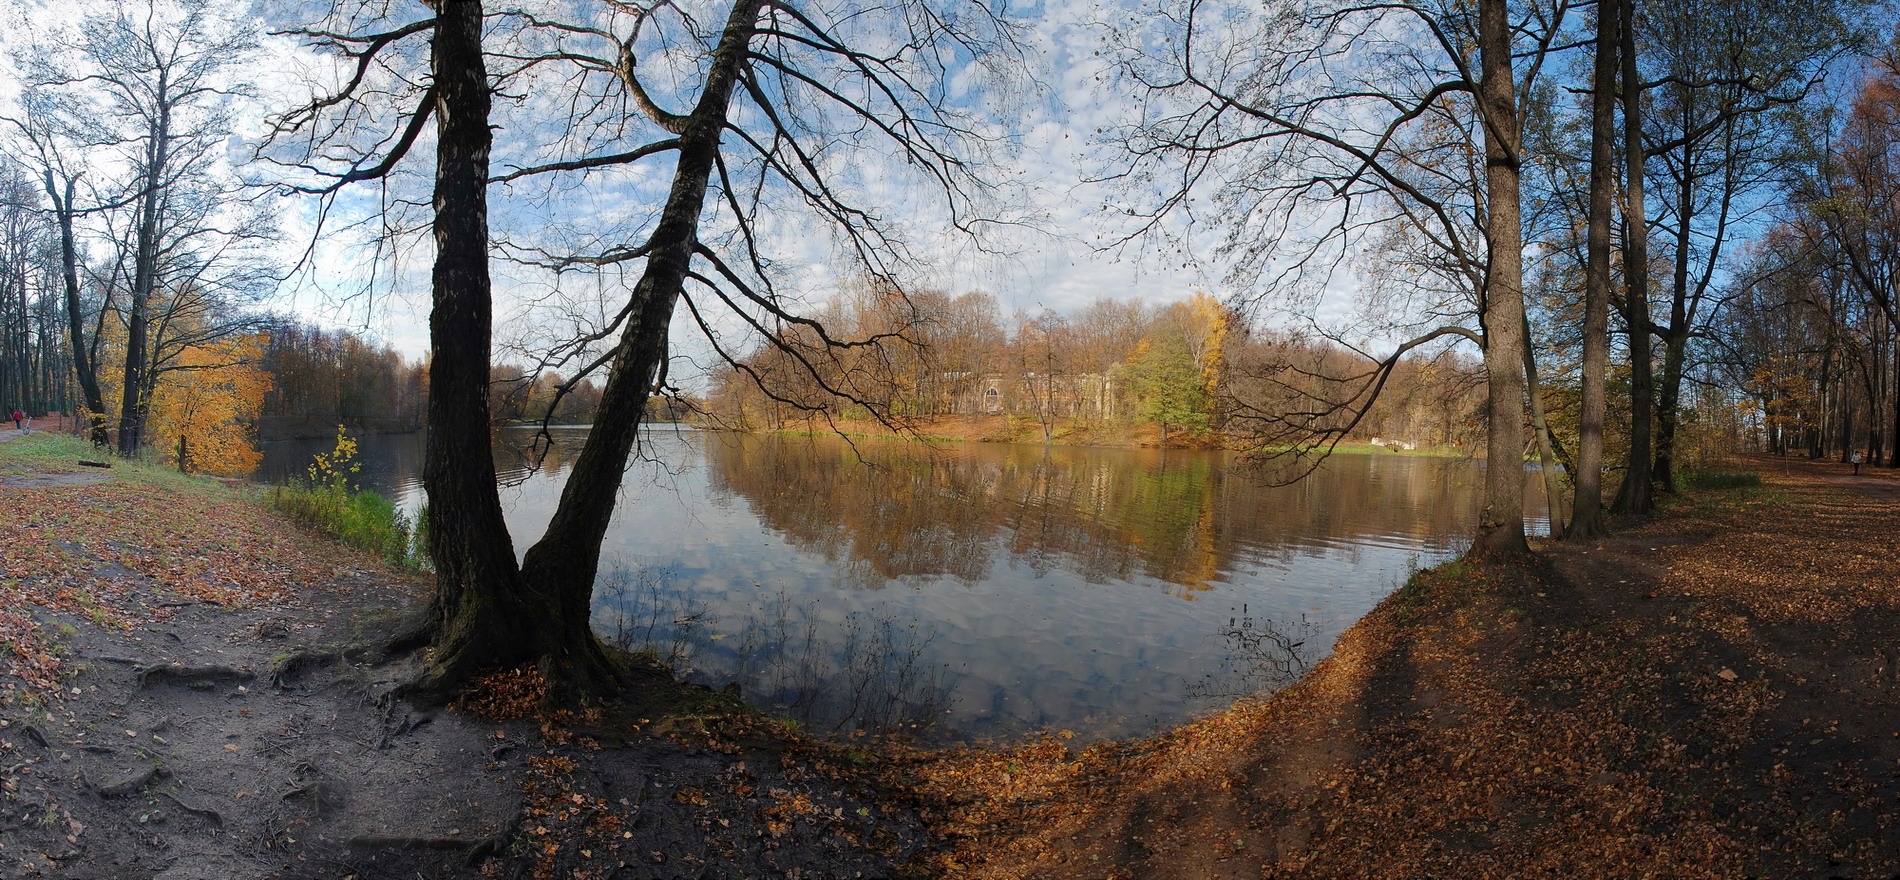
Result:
pixel 364 520
pixel 47 451
pixel 1718 493
pixel 53 452
pixel 328 499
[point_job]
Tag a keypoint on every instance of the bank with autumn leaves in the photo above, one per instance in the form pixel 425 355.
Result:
pixel 1704 694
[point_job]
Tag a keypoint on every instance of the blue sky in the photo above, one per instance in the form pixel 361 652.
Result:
pixel 1060 264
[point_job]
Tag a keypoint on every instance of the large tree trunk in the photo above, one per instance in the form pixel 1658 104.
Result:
pixel 1634 495
pixel 134 403
pixel 562 565
pixel 484 615
pixel 1668 401
pixel 1501 521
pixel 83 365
pixel 1675 337
pixel 1586 518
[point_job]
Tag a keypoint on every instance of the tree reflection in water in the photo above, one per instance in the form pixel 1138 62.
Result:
pixel 992 589
pixel 1261 656
pixel 864 672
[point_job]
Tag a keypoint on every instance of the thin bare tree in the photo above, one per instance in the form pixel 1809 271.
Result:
pixel 1320 129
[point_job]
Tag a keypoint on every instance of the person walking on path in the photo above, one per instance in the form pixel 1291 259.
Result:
pixel 19 421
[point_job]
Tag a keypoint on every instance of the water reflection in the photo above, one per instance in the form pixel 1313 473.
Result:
pixel 980 590
pixel 1261 655
pixel 884 512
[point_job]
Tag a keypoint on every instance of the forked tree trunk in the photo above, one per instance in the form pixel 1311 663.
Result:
pixel 1586 518
pixel 1675 338
pixel 488 611
pixel 1501 521
pixel 1634 495
pixel 135 404
pixel 484 615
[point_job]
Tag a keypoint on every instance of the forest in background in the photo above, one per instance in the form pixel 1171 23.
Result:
pixel 1663 230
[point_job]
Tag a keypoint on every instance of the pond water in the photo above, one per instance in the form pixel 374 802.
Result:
pixel 978 591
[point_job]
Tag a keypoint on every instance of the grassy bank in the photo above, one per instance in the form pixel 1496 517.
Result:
pixel 1705 695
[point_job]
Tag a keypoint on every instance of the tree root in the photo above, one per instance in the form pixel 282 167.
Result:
pixel 472 850
pixel 285 670
pixel 205 813
pixel 131 784
pixel 199 678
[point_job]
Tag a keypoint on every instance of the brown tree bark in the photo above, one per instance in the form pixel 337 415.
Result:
pixel 133 403
pixel 1501 520
pixel 566 559
pixel 1586 518
pixel 1634 496
pixel 484 614
pixel 1540 429
pixel 489 612
pixel 84 366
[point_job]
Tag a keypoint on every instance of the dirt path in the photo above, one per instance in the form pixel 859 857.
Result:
pixel 151 727
pixel 1709 695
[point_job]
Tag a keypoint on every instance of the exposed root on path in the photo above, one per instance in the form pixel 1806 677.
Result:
pixel 131 784
pixel 195 677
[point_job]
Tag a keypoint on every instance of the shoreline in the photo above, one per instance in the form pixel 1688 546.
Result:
pixel 1599 712
pixel 1686 698
pixel 997 430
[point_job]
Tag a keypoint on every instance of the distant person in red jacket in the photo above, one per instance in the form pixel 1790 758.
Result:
pixel 19 420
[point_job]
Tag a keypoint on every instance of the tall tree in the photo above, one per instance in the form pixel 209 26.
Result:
pixel 1586 519
pixel 807 89
pixel 1324 128
pixel 52 147
pixel 1633 495
pixel 1725 79
pixel 145 88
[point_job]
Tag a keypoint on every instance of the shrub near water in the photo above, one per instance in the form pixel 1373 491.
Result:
pixel 327 498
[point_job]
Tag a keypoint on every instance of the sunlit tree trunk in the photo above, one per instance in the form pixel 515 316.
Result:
pixel 1501 521
pixel 1586 520
pixel 1546 455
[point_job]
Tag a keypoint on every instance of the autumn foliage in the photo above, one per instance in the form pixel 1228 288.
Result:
pixel 211 399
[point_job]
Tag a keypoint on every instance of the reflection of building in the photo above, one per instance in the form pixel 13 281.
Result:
pixel 1082 395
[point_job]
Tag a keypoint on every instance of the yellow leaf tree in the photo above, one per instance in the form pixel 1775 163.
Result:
pixel 209 395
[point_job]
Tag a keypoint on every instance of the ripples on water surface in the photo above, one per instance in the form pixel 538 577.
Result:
pixel 979 590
